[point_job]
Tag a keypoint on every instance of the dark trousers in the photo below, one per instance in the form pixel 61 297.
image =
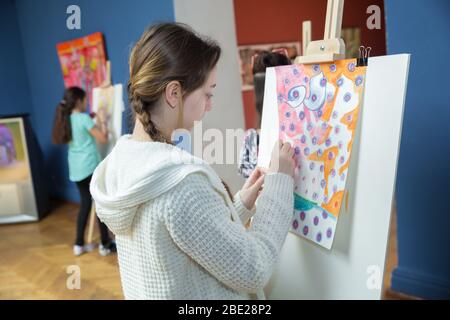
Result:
pixel 83 215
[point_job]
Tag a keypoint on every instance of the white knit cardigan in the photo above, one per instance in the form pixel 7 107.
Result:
pixel 178 234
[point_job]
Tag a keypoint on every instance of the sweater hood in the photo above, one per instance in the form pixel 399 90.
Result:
pixel 136 172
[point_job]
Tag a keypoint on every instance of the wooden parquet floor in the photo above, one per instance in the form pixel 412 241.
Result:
pixel 34 260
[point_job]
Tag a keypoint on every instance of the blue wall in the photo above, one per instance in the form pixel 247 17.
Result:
pixel 14 90
pixel 42 25
pixel 422 28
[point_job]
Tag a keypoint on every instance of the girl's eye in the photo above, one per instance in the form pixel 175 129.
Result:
pixel 209 95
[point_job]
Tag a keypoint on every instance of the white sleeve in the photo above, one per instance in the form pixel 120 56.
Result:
pixel 244 213
pixel 199 223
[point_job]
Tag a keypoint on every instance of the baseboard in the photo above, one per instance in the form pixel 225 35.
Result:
pixel 390 294
pixel 418 284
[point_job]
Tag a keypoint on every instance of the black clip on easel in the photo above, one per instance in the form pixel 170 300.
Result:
pixel 363 58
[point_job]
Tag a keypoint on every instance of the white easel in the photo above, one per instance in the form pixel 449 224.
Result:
pixel 354 267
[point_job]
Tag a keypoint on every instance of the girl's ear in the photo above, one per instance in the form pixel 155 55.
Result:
pixel 173 93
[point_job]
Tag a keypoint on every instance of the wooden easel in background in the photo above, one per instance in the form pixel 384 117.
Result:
pixel 306 35
pixel 105 84
pixel 332 47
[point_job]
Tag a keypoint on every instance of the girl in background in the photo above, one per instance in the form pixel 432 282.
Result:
pixel 249 152
pixel 74 127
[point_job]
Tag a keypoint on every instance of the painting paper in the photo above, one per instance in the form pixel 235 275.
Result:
pixel 110 101
pixel 318 108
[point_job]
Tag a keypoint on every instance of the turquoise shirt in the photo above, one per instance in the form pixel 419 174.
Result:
pixel 83 154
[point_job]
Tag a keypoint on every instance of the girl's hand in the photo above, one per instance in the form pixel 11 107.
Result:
pixel 282 160
pixel 252 187
pixel 102 115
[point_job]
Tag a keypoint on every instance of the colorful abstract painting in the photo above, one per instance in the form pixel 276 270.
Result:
pixel 14 164
pixel 318 108
pixel 83 63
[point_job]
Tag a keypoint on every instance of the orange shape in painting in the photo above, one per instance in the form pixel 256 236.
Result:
pixel 350 119
pixel 325 136
pixel 334 204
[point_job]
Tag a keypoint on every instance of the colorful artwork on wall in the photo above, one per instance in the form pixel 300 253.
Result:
pixel 83 63
pixel 14 164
